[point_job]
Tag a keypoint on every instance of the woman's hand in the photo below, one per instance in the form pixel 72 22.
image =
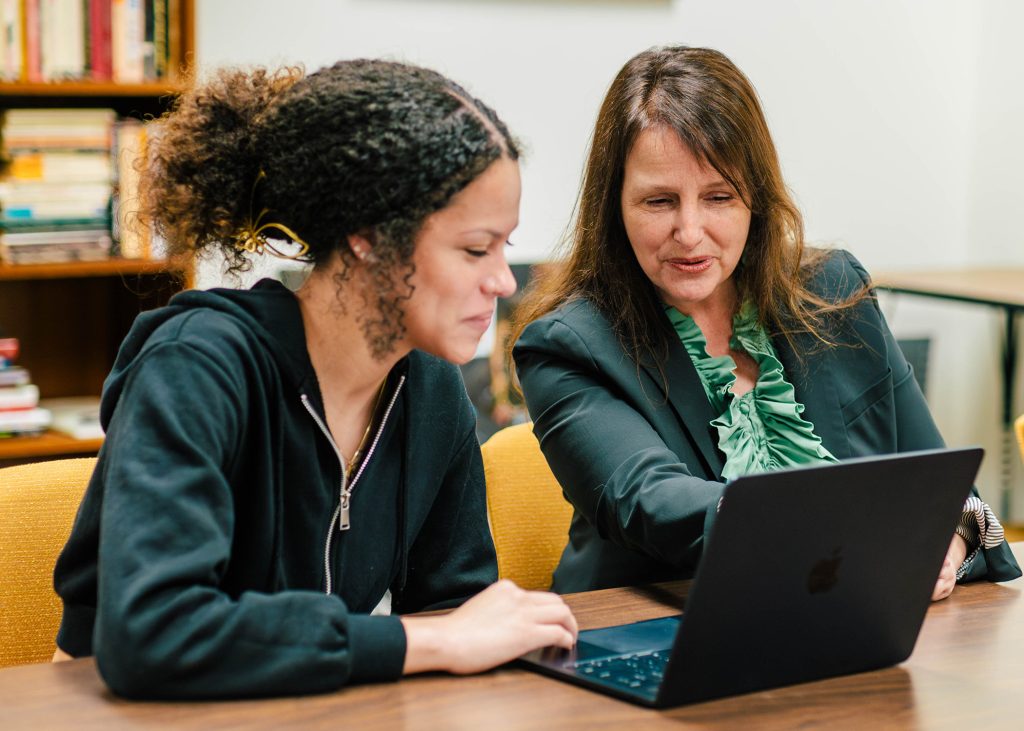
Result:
pixel 497 625
pixel 947 576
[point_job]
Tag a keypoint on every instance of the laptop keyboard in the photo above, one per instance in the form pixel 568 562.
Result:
pixel 640 673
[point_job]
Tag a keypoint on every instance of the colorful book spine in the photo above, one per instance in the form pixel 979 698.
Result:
pixel 160 38
pixel 128 27
pixel 131 233
pixel 33 50
pixel 11 32
pixel 100 66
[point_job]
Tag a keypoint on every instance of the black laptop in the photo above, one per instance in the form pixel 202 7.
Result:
pixel 808 573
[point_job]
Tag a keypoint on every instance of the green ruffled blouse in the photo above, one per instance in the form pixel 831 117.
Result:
pixel 763 429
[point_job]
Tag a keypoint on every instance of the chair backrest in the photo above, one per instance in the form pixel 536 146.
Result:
pixel 38 503
pixel 1018 427
pixel 529 515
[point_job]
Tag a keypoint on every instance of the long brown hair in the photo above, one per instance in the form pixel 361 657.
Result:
pixel 713 107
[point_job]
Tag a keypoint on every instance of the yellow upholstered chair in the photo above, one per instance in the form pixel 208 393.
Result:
pixel 1018 427
pixel 38 503
pixel 528 514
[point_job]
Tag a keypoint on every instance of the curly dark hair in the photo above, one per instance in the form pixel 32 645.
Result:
pixel 362 147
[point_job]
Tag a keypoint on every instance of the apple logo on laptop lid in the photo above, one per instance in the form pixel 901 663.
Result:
pixel 825 573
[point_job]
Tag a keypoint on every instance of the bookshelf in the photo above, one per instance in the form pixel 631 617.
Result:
pixel 71 317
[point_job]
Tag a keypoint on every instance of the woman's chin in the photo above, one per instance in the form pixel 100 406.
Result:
pixel 457 353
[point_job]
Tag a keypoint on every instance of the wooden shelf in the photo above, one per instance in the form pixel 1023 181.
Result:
pixel 48 444
pixel 65 89
pixel 72 317
pixel 129 99
pixel 101 268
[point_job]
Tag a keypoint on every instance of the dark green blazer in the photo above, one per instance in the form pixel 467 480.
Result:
pixel 640 463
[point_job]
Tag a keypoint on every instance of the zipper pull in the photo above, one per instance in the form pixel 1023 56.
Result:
pixel 343 522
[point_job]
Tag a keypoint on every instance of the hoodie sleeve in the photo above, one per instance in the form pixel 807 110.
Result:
pixel 164 627
pixel 452 557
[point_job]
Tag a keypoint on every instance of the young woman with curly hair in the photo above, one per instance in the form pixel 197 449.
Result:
pixel 284 474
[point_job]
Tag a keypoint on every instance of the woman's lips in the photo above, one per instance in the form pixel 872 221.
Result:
pixel 482 322
pixel 696 265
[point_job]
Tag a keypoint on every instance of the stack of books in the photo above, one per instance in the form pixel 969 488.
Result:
pixel 133 236
pixel 125 41
pixel 78 418
pixel 56 196
pixel 20 414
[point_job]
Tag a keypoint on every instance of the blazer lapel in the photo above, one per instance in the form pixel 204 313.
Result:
pixel 687 398
pixel 813 380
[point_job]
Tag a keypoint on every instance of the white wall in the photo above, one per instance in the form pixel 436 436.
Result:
pixel 897 122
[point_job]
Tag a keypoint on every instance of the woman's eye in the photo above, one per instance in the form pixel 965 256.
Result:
pixel 657 202
pixel 478 252
pixel 720 198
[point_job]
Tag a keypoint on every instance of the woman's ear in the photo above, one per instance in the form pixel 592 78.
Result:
pixel 360 245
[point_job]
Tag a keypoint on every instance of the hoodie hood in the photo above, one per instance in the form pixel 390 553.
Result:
pixel 269 312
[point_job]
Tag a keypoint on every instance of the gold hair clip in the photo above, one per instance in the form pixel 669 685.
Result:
pixel 251 236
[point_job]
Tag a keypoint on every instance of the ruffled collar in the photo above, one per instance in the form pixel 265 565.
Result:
pixel 764 428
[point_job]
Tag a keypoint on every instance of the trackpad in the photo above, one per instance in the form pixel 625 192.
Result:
pixel 654 634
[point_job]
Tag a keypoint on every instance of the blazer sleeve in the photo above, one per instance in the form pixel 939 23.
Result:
pixel 915 430
pixel 614 466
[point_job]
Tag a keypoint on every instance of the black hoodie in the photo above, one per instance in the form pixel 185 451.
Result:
pixel 197 565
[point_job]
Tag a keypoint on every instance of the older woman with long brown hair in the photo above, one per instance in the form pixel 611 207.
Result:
pixel 690 337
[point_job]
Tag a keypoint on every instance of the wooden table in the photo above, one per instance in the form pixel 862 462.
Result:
pixel 967 671
pixel 1002 288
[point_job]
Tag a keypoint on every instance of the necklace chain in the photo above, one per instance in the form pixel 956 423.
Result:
pixel 358 454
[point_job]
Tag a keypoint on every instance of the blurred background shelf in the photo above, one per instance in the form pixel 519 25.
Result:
pixel 58 90
pixel 49 444
pixel 101 268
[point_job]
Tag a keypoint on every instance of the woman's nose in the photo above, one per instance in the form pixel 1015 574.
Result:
pixel 689 225
pixel 501 282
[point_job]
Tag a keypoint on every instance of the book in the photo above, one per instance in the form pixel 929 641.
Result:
pixel 101 65
pixel 130 232
pixel 148 40
pixel 78 418
pixel 32 51
pixel 8 351
pixel 160 50
pixel 66 236
pixel 11 56
pixel 175 51
pixel 127 30
pixel 21 423
pixel 61 166
pixel 64 30
pixel 57 129
pixel 14 376
pixel 52 208
pixel 57 252
pixel 92 223
pixel 19 398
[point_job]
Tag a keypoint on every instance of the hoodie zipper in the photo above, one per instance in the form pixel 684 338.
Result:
pixel 341 513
